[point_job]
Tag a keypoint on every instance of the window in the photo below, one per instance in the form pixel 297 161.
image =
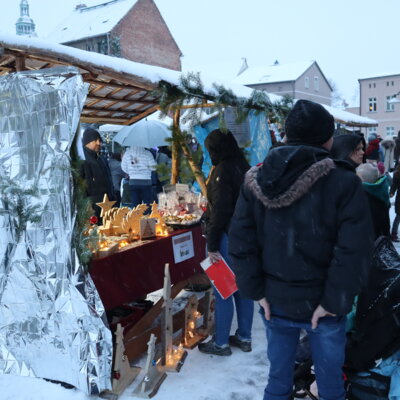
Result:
pixel 370 86
pixel 372 104
pixel 392 83
pixel 307 82
pixel 316 83
pixel 374 85
pixel 372 130
pixel 387 83
pixel 389 130
pixel 389 106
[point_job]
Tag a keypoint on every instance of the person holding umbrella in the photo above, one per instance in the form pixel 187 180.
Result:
pixel 138 163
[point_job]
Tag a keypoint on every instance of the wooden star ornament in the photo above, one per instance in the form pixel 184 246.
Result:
pixel 105 205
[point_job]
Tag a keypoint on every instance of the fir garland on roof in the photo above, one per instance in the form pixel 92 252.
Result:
pixel 191 91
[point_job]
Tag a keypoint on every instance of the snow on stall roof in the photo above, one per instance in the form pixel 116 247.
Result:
pixel 149 73
pixel 152 74
pixel 273 73
pixel 91 21
pixel 349 118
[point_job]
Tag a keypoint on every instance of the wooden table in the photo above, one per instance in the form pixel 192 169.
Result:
pixel 130 274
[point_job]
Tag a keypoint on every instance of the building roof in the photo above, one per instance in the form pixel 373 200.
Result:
pixel 91 21
pixel 387 75
pixel 273 73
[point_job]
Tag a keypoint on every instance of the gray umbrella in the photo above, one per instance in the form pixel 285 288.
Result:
pixel 145 133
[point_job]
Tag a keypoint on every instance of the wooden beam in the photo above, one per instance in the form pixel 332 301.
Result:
pixel 92 109
pixel 149 111
pixel 175 148
pixel 106 120
pixel 209 105
pixel 113 85
pixel 122 99
pixel 20 63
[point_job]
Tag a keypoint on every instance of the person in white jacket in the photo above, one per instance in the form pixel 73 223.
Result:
pixel 138 163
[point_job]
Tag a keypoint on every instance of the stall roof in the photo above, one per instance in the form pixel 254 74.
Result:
pixel 121 91
pixel 350 119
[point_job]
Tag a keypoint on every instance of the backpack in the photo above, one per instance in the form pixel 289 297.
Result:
pixel 367 386
pixel 377 320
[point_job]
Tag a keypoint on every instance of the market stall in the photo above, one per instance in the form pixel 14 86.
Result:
pixel 131 249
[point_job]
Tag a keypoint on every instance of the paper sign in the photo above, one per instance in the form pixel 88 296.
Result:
pixel 221 276
pixel 183 247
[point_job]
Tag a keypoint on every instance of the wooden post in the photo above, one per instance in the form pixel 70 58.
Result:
pixel 123 373
pixel 172 358
pixel 20 63
pixel 190 335
pixel 195 169
pixel 153 374
pixel 175 148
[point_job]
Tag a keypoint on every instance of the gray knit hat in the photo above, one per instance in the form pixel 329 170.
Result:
pixel 368 172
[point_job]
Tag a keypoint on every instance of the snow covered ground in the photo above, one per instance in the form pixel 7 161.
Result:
pixel 241 376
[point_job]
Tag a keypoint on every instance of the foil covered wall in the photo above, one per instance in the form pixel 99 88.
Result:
pixel 52 321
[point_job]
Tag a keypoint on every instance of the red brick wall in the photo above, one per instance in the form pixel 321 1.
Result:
pixel 145 37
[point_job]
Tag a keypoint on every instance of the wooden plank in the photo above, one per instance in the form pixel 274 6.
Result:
pixel 153 313
pixel 105 120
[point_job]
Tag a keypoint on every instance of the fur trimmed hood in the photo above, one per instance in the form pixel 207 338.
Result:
pixel 294 181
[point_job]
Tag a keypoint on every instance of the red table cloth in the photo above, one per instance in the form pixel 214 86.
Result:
pixel 130 274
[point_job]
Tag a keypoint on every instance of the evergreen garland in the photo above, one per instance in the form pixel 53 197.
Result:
pixel 15 202
pixel 191 91
pixel 84 242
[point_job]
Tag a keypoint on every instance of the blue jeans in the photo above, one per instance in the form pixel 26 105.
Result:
pixel 141 193
pixel 327 343
pixel 224 309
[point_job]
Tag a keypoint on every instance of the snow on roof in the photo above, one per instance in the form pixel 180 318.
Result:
pixel 273 73
pixel 349 118
pixel 383 75
pixel 91 21
pixel 149 74
pixel 146 73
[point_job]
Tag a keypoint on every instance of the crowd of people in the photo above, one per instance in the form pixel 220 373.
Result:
pixel 299 235
pixel 298 230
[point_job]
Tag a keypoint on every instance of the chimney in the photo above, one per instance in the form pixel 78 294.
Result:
pixel 243 67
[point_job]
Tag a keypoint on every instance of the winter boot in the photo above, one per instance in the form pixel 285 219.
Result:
pixel 394 238
pixel 212 348
pixel 244 345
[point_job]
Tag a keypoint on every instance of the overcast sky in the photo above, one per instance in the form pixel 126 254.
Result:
pixel 349 39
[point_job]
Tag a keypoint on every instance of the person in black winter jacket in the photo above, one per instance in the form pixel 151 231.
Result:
pixel 95 170
pixel 223 189
pixel 299 242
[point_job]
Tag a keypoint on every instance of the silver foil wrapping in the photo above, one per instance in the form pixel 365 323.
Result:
pixel 52 321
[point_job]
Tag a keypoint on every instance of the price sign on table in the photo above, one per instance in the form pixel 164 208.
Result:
pixel 183 247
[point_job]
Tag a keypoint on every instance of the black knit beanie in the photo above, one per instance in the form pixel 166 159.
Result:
pixel 308 123
pixel 89 135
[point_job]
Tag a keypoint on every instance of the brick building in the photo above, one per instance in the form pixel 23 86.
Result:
pixel 131 29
